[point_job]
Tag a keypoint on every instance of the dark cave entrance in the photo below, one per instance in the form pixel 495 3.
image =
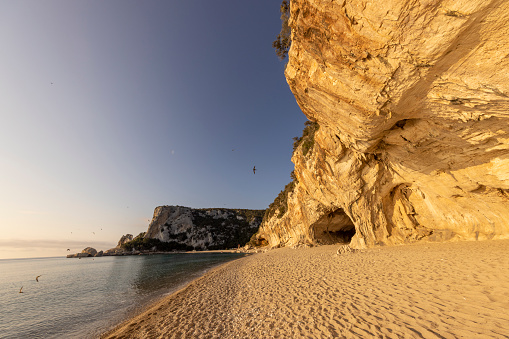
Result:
pixel 333 228
pixel 262 242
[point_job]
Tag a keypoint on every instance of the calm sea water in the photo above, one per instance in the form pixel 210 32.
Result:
pixel 81 298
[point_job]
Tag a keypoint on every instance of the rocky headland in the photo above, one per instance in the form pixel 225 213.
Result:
pixel 204 229
pixel 410 101
pixel 87 252
pixel 179 228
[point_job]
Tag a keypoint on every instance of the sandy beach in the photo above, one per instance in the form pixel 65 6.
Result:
pixel 428 290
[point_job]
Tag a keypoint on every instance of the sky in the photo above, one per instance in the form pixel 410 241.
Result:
pixel 109 109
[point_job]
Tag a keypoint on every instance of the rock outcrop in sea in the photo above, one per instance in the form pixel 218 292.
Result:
pixel 87 252
pixel 412 103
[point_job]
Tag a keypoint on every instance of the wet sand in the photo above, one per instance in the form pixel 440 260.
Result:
pixel 428 290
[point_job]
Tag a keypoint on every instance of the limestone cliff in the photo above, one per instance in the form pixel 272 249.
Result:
pixel 412 102
pixel 210 228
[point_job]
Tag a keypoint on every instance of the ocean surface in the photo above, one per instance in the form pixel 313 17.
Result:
pixel 81 298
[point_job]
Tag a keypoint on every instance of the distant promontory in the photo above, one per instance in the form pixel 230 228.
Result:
pixel 179 228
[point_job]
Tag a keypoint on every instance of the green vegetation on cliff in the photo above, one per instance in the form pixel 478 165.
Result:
pixel 283 40
pixel 280 204
pixel 229 232
pixel 306 142
pixel 139 243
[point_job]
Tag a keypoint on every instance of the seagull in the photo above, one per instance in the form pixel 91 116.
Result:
pixel 20 290
pixel 254 169
pixel 37 278
pixel 68 249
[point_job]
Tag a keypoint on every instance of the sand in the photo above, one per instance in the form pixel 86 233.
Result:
pixel 429 290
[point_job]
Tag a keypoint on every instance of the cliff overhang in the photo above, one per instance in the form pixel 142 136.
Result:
pixel 412 100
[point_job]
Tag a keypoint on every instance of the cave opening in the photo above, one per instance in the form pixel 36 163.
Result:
pixel 258 241
pixel 333 228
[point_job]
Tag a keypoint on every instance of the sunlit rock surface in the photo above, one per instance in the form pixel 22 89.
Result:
pixel 412 102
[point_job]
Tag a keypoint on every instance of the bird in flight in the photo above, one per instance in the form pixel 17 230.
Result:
pixel 37 278
pixel 68 249
pixel 254 169
pixel 20 290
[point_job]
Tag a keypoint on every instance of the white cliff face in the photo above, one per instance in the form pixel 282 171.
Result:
pixel 181 222
pixel 412 99
pixel 204 228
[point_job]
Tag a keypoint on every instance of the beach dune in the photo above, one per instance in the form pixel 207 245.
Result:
pixel 427 290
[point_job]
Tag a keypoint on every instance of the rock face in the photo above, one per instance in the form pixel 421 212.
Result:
pixel 213 228
pixel 87 252
pixel 412 102
pixel 114 251
pixel 90 251
pixel 124 239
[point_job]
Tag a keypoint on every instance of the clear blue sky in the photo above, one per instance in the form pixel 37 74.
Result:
pixel 111 108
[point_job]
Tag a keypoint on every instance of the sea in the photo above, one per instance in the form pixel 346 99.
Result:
pixel 82 298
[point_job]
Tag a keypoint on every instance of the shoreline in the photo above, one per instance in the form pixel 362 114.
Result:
pixel 140 309
pixel 425 289
pixel 162 300
pixel 127 254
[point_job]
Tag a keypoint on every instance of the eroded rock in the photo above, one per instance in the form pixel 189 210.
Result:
pixel 412 99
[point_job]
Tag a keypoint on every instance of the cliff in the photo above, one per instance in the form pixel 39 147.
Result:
pixel 201 229
pixel 185 229
pixel 411 99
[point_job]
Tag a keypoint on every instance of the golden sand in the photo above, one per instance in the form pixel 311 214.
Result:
pixel 431 290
